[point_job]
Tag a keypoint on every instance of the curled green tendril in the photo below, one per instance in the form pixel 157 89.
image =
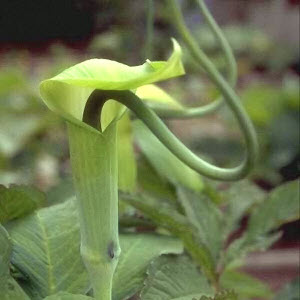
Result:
pixel 98 97
pixel 200 57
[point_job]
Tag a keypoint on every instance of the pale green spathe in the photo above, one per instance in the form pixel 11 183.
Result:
pixel 67 93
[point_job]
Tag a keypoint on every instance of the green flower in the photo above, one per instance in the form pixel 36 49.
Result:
pixel 67 93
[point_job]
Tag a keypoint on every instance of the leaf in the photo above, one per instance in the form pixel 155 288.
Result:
pixel 241 197
pixel 245 285
pixel 9 289
pixel 18 201
pixel 165 216
pixel 224 295
pixel 67 296
pixel 64 190
pixel 291 291
pixel 66 93
pixel 46 249
pixel 150 182
pixel 166 164
pixel 206 217
pixel 246 244
pixel 174 277
pixel 155 95
pixel 137 252
pixel 5 251
pixel 281 206
pixel 162 215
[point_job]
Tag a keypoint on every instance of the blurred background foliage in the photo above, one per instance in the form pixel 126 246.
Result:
pixel 39 39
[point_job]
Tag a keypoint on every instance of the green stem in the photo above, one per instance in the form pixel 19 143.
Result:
pixel 228 54
pixel 156 125
pixel 94 168
pixel 178 21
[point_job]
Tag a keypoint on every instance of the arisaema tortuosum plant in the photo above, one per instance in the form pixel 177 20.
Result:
pixel 94 98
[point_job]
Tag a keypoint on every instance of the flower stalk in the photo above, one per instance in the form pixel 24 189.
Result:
pixel 94 168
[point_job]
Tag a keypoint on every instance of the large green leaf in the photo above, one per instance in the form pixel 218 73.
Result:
pixel 164 215
pixel 245 285
pixel 137 252
pixel 161 213
pixel 281 206
pixel 166 164
pixel 18 201
pixel 241 247
pixel 174 278
pixel 241 196
pixel 206 217
pixel 46 249
pixel 67 296
pixel 150 183
pixel 9 289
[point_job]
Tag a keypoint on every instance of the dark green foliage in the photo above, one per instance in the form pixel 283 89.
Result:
pixel 9 288
pixel 174 277
pixel 18 201
pixel 226 295
pixel 204 228
pixel 40 239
